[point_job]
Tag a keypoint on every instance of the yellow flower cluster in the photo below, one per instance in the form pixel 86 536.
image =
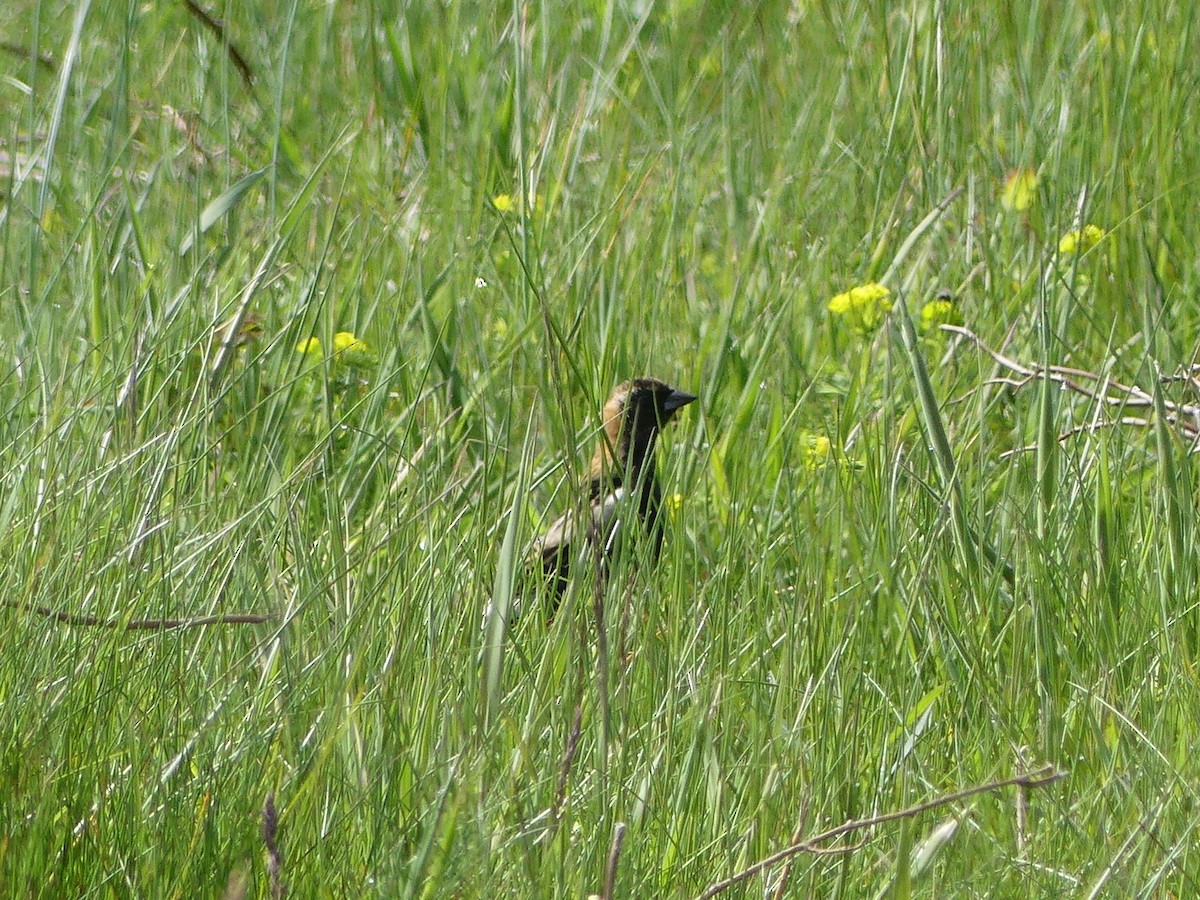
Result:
pixel 1081 240
pixel 344 342
pixel 309 345
pixel 1020 190
pixel 816 450
pixel 509 203
pixel 939 312
pixel 863 307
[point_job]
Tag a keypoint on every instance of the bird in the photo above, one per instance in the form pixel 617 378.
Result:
pixel 620 481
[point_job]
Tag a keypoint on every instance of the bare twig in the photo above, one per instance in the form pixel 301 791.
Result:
pixel 1022 804
pixel 45 60
pixel 786 875
pixel 1038 778
pixel 217 27
pixel 1080 429
pixel 78 619
pixel 1097 387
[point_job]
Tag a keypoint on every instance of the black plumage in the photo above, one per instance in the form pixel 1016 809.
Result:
pixel 621 482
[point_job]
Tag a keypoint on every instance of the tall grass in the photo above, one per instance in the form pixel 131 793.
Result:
pixel 888 575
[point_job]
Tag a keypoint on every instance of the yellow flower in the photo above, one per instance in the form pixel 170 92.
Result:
pixel 1020 190
pixel 863 307
pixel 674 503
pixel 346 342
pixel 309 345
pixel 1081 240
pixel 816 450
pixel 503 203
pixel 939 312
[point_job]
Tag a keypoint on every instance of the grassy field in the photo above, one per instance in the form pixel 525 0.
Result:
pixel 307 313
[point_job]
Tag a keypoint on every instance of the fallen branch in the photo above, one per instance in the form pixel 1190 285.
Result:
pixel 1038 778
pixel 136 624
pixel 1099 388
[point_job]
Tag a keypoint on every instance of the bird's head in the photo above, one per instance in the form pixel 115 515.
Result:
pixel 636 411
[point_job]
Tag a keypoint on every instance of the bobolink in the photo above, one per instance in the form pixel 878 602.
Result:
pixel 621 475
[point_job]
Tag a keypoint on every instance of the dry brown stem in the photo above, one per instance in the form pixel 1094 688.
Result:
pixel 1037 778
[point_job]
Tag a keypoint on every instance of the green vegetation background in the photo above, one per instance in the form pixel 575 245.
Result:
pixel 865 602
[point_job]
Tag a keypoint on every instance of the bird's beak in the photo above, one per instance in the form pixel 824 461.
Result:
pixel 677 400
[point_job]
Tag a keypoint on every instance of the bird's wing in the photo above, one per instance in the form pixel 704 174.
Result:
pixel 606 519
pixel 605 523
pixel 557 536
